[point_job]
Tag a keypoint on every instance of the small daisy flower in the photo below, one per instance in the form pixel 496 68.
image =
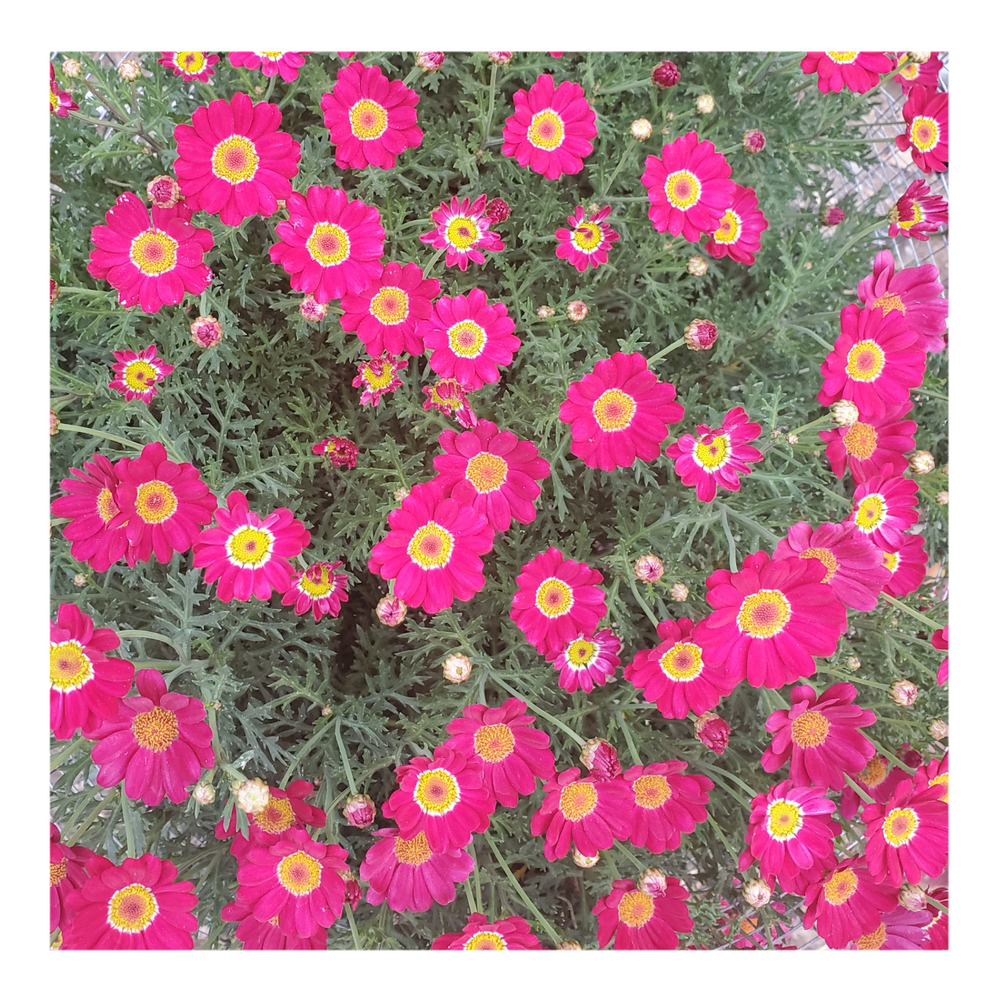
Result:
pixel 867 445
pixel 919 74
pixel 286 809
pixel 287 64
pixel 463 230
pixel 848 903
pixel 67 872
pixel 448 396
pixel 587 241
pixel 190 65
pixel 139 373
pixel 510 934
pixel 588 660
pixel 377 377
pixel 635 920
pixel 917 212
pixel 738 234
pixel 320 589
pixel 858 71
pixel 907 563
pixel 667 803
pixel 885 506
pixel 60 102
pixel 340 452
pixel 926 137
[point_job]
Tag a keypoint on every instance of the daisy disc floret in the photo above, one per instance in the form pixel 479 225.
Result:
pixel 61 103
pixel 588 239
pixel 917 212
pixel 138 372
pixel 190 65
pixel 866 446
pixel 319 589
pixel 287 64
pixel 858 71
pixel 738 233
pixel 588 660
pixel 885 506
pixel 926 137
pixel 636 920
pixel 448 396
pixel 462 230
pixel 510 934
pixel 847 904
pixel 666 803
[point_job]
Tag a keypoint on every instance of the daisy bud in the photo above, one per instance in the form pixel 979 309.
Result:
pixel 569 945
pixel 945 469
pixel 648 568
pixel 53 290
pixel 921 462
pixel 430 61
pixel 80 580
pixel 281 204
pixel 593 208
pixel 457 668
pixel 53 423
pixel 652 882
pixel 576 310
pixel 942 497
pixel 545 312
pixel 910 755
pixel 390 610
pixel 253 796
pixel 938 729
pixel 258 90
pixel 903 692
pixel 704 104
pixel 163 191
pixel 793 439
pixel 217 705
pixel 844 413
pixel 497 210
pixel 72 68
pixel 697 266
pixel 679 592
pixel 601 759
pixel 756 892
pixel 130 70
pixel 808 265
pixel 203 794
pixel 311 310
pixel 912 898
pixel 852 663
pixel 713 731
pixel 585 860
pixel 831 215
pixel 401 494
pixel 326 710
pixel 920 57
pixel 353 887
pixel 754 141
pixel 359 810
pixel 666 74
pixel 700 334
pixel 500 58
pixel 206 331
pixel 642 129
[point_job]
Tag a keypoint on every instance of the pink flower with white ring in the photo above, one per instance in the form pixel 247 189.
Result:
pixel 588 660
pixel 885 506
pixel 138 373
pixel 926 137
pixel 463 231
pixel 190 65
pixel 287 64
pixel 587 241
pixel 319 588
pixel 738 234
pixel 377 376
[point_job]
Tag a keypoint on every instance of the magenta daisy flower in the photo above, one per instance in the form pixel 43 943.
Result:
pixel 493 471
pixel 447 798
pixel 666 804
pixel 320 589
pixel 884 507
pixel 67 872
pixel 447 395
pixel 636 920
pixel 511 934
pixel 469 339
pixel 138 373
pixel 152 264
pixel 377 376
pixel 233 162
pixel 513 754
pixel 718 456
pixel 619 412
pixel 85 686
pixel 901 930
pixel 820 735
pixel 855 566
pixel 847 904
pixel 407 874
pixel 913 291
pixel 266 935
pixel 771 618
pixel 937 929
pixel 907 837
pixel 939 640
pixel 190 65
pixel 329 245
pixel 917 212
pixel 908 565
pixel 340 452
pixel 738 235
pixel 914 74
pixel 433 549
pixel 875 361
pixel 61 103
pixel 556 601
pixel 463 230
pixel 588 660
pixel 926 137
pixel 371 119
pixel 877 779
pixel 674 676
pixel 584 813
pixel 133 906
pixel 287 64
pixel 385 314
pixel 158 743
pixel 286 809
pixel 858 71
pixel 689 188
pixel 551 128
pixel 249 555
pixel 865 447
pixel 587 241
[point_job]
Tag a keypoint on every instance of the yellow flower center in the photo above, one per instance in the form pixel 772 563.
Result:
pixel 437 792
pixel 840 886
pixel 414 851
pixel 377 374
pixel 712 454
pixel 132 909
pixel 390 305
pixel 553 597
pixel 155 730
pixel 636 909
pixel 784 819
pixel 924 133
pixel 581 654
pixel 486 472
pixel 369 120
pixel 861 440
pixel 546 130
pixel 57 872
pixel 431 546
pixel 106 506
pixel 872 511
pixel 249 547
pixel 467 339
pixel 155 502
pixel 826 557
pixel 874 773
pixel 485 941
pixel 873 941
pixel 139 375
pixel 53 100
pixel 865 361
pixel 942 779
pixel 235 159
pixel 153 253
pixel 729 228
pixel 888 302
pixel 276 817
pixel 319 584
pixel 843 58
pixel 651 791
pixel 270 55
pixel 614 410
pixel 578 799
pixel 682 662
pixel 682 189
pixel 918 216
pixel 69 666
pixel 462 232
pixel 190 62
pixel 899 826
pixel 910 71
pixel 587 236
pixel 494 743
pixel 890 560
pixel 329 244
pixel 299 873
pixel 810 729
pixel 764 614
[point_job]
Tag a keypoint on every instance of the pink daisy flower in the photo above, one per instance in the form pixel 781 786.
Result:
pixel 738 234
pixel 409 875
pixel 908 565
pixel 447 395
pixel 666 804
pixel 340 452
pixel 371 119
pixel 249 555
pixel 85 686
pixel 469 339
pixel 463 230
pixel 551 128
pixel 914 74
pixel 619 412
pixel 190 65
pixel 718 456
pixel 377 377
pixel 858 71
pixel 134 906
pixel 266 935
pixel 790 834
pixel 939 640
pixel 61 103
pixel 511 934
pixel 689 188
pixel 674 676
pixel 847 904
pixel 320 589
pixel 385 314
pixel 636 920
pixel 433 550
pixel 329 245
pixel 917 212
pixel 820 735
pixel 588 660
pixel 877 779
pixel 875 361
pixel 587 241
pixel 926 137
pixel 915 292
pixel 139 373
pixel 232 160
pixel 286 809
pixel 66 872
pixel 152 264
pixel 900 930
pixel 584 813
pixel 884 507
pixel 287 64
pixel 447 798
pixel 557 600
pixel 865 447
pixel 158 743
pixel 855 567
pixel 771 618
pixel 937 929
pixel 907 837
pixel 493 471
pixel 513 754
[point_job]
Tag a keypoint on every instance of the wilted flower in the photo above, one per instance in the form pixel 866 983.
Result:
pixel 700 334
pixel 311 310
pixel 666 74
pixel 921 462
pixel 648 568
pixel 844 413
pixel 390 610
pixel 704 104
pixel 679 592
pixel 754 140
pixel 576 310
pixel 713 731
pixel 903 692
pixel 831 215
pixel 72 68
pixel 545 312
pixel 457 668
pixel 697 266
pixel 359 810
pixel 130 70
pixel 203 794
pixel 642 128
pixel 326 711
pixel 585 860
pixel 430 61
pixel 756 892
pixel 920 57
pixel 206 331
pixel 252 796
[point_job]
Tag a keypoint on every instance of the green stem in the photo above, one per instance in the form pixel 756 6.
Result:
pixel 733 560
pixel 628 854
pixel 103 804
pixel 629 148
pixel 131 633
pixel 929 622
pixel 354 927
pixel 750 522
pixel 77 744
pixel 534 708
pixel 642 603
pixel 103 123
pixel 862 794
pixel 930 392
pixel 549 929
pixel 730 777
pixel 628 737
pixel 343 757
pixel 733 853
pixel 852 243
pixel 601 92
pixel 99 434
pixel 933 902
pixel 470 899
pixel 660 355
pixel 812 423
pixel 127 822
pixel 489 113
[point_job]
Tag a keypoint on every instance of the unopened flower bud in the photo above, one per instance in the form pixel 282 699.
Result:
pixel 910 755
pixel 390 610
pixel 326 711
pixel 430 61
pixel 642 129
pixel 754 141
pixel 756 892
pixel 253 796
pixel 457 668
pixel 920 57
pixel 844 413
pixel 938 729
pixel 72 68
pixel 569 945
pixel 497 210
pixel 808 265
pixel 697 266
pixel 203 794
pixel 163 191
pixel 53 290
pixel 352 887
pixel 585 860
pixel 700 334
pixel 400 494
pixel 545 312
pixel 648 568
pixel 217 705
pixel 601 759
pixel 80 580
pixel 713 731
pixel 921 462
pixel 130 70
pixel 311 310
pixel 852 663
pixel 666 74
pixel 652 882
pixel 832 216
pixel 679 592
pixel 704 104
pixel 206 331
pixel 500 58
pixel 912 898
pixel 53 423
pixel 359 810
pixel 258 90
pixel 942 497
pixel 903 692
pixel 793 439
pixel 576 310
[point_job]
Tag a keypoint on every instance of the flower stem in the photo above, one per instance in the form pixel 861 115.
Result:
pixel 733 559
pixel 534 708
pixel 812 423
pixel 851 243
pixel 350 919
pixel 100 434
pixel 929 622
pixel 628 737
pixel 489 113
pixel 734 854
pixel 343 757
pixel 660 355
pixel 549 929
pixel 606 187
pixel 129 633
pixel 862 794
pixel 67 752
pixel 642 603
pixel 102 804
